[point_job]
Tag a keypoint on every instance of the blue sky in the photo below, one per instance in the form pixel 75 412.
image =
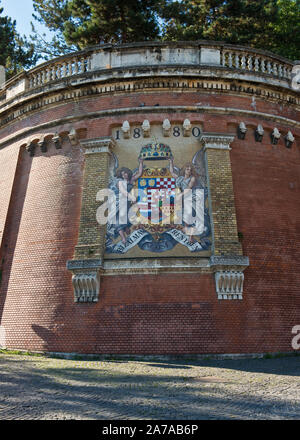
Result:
pixel 21 11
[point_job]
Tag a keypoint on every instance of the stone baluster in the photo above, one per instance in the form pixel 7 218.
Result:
pixel 269 67
pixel 76 66
pixel 284 72
pixel 89 63
pixel 64 69
pixel 70 68
pixel 82 65
pixel 229 59
pixel 237 61
pixel 50 73
pixel 256 64
pixel 243 62
pixel 223 58
pixel 42 77
pixel 59 75
pixel 250 63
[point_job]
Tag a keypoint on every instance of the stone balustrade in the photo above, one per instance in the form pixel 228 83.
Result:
pixel 219 59
pixel 65 67
pixel 251 61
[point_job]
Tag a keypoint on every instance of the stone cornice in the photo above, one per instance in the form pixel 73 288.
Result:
pixel 22 134
pixel 217 141
pixel 45 97
pixel 129 267
pixel 98 145
pixel 156 265
pixel 88 264
pixel 227 262
pixel 187 77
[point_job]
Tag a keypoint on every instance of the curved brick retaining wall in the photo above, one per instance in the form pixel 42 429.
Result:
pixel 60 124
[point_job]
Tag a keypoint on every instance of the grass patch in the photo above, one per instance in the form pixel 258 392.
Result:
pixel 20 352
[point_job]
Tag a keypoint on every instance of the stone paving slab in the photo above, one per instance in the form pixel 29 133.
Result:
pixel 44 388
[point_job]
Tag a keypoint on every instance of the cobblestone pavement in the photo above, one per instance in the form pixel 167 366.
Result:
pixel 43 388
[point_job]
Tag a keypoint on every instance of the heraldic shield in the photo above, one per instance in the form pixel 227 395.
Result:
pixel 155 205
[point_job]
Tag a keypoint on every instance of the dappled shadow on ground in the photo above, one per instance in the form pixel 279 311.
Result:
pixel 285 365
pixel 41 388
pixel 289 366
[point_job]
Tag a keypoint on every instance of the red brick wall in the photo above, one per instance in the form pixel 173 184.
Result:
pixel 141 314
pixel 8 160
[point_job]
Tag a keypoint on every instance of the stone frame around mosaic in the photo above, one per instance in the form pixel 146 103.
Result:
pixel 227 263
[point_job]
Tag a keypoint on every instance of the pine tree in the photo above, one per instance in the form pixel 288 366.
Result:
pixel 266 24
pixel 82 23
pixel 111 21
pixel 16 53
pixel 286 30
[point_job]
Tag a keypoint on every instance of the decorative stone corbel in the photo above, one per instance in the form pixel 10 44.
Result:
pixel 30 147
pixel 126 129
pixel 43 145
pixel 289 139
pixel 86 279
pixel 275 136
pixel 241 131
pixel 187 128
pixel 146 128
pixel 86 287
pixel 229 276
pixel 259 133
pixel 57 142
pixel 229 284
pixel 73 137
pixel 166 126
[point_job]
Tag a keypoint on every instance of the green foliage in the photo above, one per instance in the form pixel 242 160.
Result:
pixel 53 14
pixel 19 352
pixel 16 53
pixel 286 30
pixel 81 23
pixel 266 24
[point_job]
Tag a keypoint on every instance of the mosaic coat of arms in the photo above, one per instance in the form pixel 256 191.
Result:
pixel 166 205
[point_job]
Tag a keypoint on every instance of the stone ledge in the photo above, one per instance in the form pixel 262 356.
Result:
pixel 155 266
pixel 84 264
pixel 85 279
pixel 234 260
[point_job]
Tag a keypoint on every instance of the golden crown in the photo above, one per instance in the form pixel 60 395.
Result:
pixel 155 151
